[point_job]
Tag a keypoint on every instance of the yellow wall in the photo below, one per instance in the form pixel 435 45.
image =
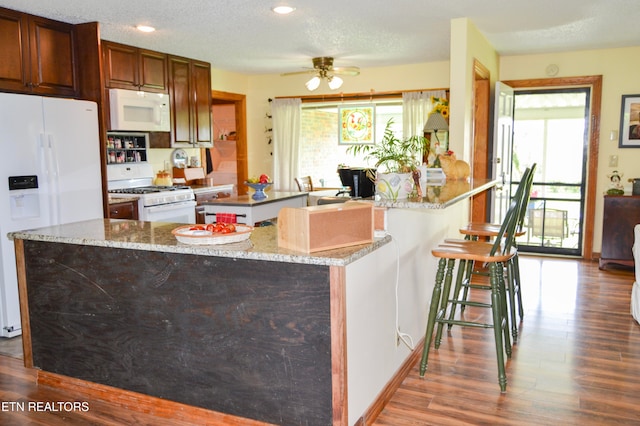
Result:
pixel 261 88
pixel 467 45
pixel 226 81
pixel 618 68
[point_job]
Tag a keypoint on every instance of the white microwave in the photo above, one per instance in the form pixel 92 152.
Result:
pixel 139 111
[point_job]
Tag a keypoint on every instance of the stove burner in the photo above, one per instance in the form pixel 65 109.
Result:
pixel 147 189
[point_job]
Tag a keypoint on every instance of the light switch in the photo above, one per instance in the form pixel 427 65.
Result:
pixel 613 161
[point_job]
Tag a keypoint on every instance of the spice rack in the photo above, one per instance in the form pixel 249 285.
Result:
pixel 127 147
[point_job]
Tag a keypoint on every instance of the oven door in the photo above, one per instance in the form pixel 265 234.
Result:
pixel 183 212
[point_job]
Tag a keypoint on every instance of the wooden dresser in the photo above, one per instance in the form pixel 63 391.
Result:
pixel 621 214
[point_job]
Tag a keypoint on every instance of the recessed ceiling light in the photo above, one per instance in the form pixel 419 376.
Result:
pixel 145 28
pixel 283 10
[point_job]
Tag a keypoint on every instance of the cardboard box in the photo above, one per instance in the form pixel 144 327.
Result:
pixel 380 218
pixel 190 175
pixel 330 226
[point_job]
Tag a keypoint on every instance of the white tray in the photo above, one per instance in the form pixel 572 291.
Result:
pixel 189 236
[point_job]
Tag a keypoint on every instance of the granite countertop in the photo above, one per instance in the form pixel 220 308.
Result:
pixel 247 200
pixel 201 189
pixel 117 200
pixel 157 236
pixel 441 196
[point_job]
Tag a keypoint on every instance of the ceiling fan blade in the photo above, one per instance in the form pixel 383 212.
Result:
pixel 346 70
pixel 306 71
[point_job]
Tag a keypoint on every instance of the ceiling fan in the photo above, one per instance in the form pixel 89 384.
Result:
pixel 323 68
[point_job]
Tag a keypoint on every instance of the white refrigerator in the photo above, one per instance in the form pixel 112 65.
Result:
pixel 49 175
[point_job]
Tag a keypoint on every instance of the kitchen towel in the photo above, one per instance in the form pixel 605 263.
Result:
pixel 226 218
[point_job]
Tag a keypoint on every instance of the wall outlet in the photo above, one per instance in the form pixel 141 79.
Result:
pixel 613 161
pixel 397 337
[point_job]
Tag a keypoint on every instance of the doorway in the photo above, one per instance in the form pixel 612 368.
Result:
pixel 227 160
pixel 550 126
pixel 574 197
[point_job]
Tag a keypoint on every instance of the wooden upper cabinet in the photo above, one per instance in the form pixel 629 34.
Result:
pixel 202 102
pixel 180 101
pixel 128 67
pixel 38 55
pixel 14 58
pixel 53 69
pixel 153 71
pixel 190 98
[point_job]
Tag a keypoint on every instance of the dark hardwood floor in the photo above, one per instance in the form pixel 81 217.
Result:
pixel 577 362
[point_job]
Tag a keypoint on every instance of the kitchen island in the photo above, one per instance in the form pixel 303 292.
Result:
pixel 119 308
pixel 251 211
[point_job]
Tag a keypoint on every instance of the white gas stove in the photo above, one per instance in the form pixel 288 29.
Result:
pixel 155 203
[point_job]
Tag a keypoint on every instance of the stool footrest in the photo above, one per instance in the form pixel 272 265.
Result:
pixel 464 323
pixel 470 303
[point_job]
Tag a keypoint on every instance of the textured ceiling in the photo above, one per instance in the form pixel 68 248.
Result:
pixel 245 36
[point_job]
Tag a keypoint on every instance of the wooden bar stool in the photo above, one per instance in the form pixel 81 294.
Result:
pixel 496 255
pixel 483 231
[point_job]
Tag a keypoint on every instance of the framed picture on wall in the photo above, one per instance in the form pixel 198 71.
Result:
pixel 630 122
pixel 356 124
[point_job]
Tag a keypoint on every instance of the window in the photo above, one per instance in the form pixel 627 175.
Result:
pixel 320 153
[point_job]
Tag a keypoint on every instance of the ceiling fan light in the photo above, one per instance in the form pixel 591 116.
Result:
pixel 145 28
pixel 283 10
pixel 335 82
pixel 313 84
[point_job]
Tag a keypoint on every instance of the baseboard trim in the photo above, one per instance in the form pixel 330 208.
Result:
pixel 392 386
pixel 141 403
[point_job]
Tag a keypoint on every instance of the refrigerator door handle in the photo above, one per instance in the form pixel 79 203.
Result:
pixel 52 172
pixel 55 180
pixel 44 158
pixel 45 170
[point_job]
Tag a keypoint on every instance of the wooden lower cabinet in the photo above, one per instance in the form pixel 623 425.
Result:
pixel 124 210
pixel 621 214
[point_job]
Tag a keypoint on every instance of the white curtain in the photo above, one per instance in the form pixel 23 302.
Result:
pixel 415 110
pixel 286 143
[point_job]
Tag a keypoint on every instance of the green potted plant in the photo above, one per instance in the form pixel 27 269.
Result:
pixel 395 162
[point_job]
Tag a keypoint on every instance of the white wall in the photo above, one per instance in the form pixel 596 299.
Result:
pixel 264 87
pixel 373 355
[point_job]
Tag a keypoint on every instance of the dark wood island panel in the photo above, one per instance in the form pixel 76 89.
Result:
pixel 238 336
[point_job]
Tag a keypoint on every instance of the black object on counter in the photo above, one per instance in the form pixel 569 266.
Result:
pixel 359 179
